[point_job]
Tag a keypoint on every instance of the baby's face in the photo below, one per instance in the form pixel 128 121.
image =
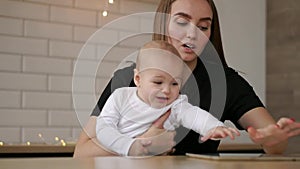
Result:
pixel 159 77
pixel 158 88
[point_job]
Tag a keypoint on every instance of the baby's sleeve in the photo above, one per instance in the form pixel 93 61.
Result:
pixel 193 117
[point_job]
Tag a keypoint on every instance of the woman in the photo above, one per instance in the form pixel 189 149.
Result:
pixel 242 106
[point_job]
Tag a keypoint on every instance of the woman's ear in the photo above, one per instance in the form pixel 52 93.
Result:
pixel 136 78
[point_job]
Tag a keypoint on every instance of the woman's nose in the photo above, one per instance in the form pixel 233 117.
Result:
pixel 191 32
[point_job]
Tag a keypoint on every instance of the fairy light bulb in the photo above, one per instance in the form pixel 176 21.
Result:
pixel 28 143
pixel 56 138
pixel 1 143
pixel 63 143
pixel 104 13
pixel 111 1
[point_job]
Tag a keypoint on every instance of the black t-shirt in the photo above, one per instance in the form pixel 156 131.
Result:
pixel 229 98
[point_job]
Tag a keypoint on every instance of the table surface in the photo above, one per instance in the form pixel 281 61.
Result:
pixel 157 162
pixel 44 148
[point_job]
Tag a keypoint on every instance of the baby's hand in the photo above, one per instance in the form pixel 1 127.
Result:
pixel 220 132
pixel 138 147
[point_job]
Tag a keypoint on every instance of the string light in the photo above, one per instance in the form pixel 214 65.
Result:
pixel 104 13
pixel 56 138
pixel 63 143
pixel 42 138
pixel 28 143
pixel 1 143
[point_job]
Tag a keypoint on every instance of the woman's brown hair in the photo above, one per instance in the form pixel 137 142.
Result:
pixel 161 20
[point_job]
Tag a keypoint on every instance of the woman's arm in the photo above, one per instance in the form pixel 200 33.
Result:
pixel 87 144
pixel 264 130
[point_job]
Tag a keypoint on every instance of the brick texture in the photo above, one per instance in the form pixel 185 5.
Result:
pixel 40 42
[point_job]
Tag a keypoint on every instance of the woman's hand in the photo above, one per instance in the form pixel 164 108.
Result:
pixel 161 141
pixel 220 132
pixel 275 134
pixel 138 147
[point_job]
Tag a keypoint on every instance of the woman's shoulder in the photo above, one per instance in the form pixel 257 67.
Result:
pixel 125 70
pixel 230 72
pixel 234 77
pixel 122 77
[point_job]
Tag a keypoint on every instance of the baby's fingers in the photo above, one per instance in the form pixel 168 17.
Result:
pixel 235 131
pixel 231 132
pixel 204 138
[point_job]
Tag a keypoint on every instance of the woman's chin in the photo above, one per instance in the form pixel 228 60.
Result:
pixel 188 57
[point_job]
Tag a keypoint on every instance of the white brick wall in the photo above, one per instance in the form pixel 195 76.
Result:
pixel 23 45
pixel 11 26
pixel 24 10
pixel 48 30
pixel 40 41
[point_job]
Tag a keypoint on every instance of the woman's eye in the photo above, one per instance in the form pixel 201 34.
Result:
pixel 203 28
pixel 181 22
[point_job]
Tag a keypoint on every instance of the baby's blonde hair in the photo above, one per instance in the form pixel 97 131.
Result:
pixel 156 44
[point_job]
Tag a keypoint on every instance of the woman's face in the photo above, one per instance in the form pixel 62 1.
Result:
pixel 189 27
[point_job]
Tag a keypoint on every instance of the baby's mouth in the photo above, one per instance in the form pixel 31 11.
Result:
pixel 163 98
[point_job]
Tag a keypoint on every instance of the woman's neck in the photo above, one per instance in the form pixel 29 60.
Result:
pixel 192 64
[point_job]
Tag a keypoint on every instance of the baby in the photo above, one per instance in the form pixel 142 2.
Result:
pixel 130 111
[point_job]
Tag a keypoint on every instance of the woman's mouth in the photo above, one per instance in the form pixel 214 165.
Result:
pixel 189 48
pixel 188 45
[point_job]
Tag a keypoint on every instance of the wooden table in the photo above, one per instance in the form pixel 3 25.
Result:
pixel 44 150
pixel 163 162
pixel 37 150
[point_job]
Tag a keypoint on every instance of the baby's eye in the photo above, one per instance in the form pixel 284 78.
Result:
pixel 157 82
pixel 175 84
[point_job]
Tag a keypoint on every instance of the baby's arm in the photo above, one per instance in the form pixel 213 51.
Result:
pixel 107 131
pixel 201 121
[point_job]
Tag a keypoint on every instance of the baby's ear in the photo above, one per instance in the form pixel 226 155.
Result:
pixel 136 77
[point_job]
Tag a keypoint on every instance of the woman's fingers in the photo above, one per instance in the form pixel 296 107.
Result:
pixel 275 133
pixel 289 126
pixel 293 129
pixel 159 123
pixel 255 135
pixel 145 142
pixel 284 122
pixel 162 143
pixel 294 133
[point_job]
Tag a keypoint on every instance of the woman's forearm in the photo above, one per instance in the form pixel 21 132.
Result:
pixel 89 149
pixel 87 144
